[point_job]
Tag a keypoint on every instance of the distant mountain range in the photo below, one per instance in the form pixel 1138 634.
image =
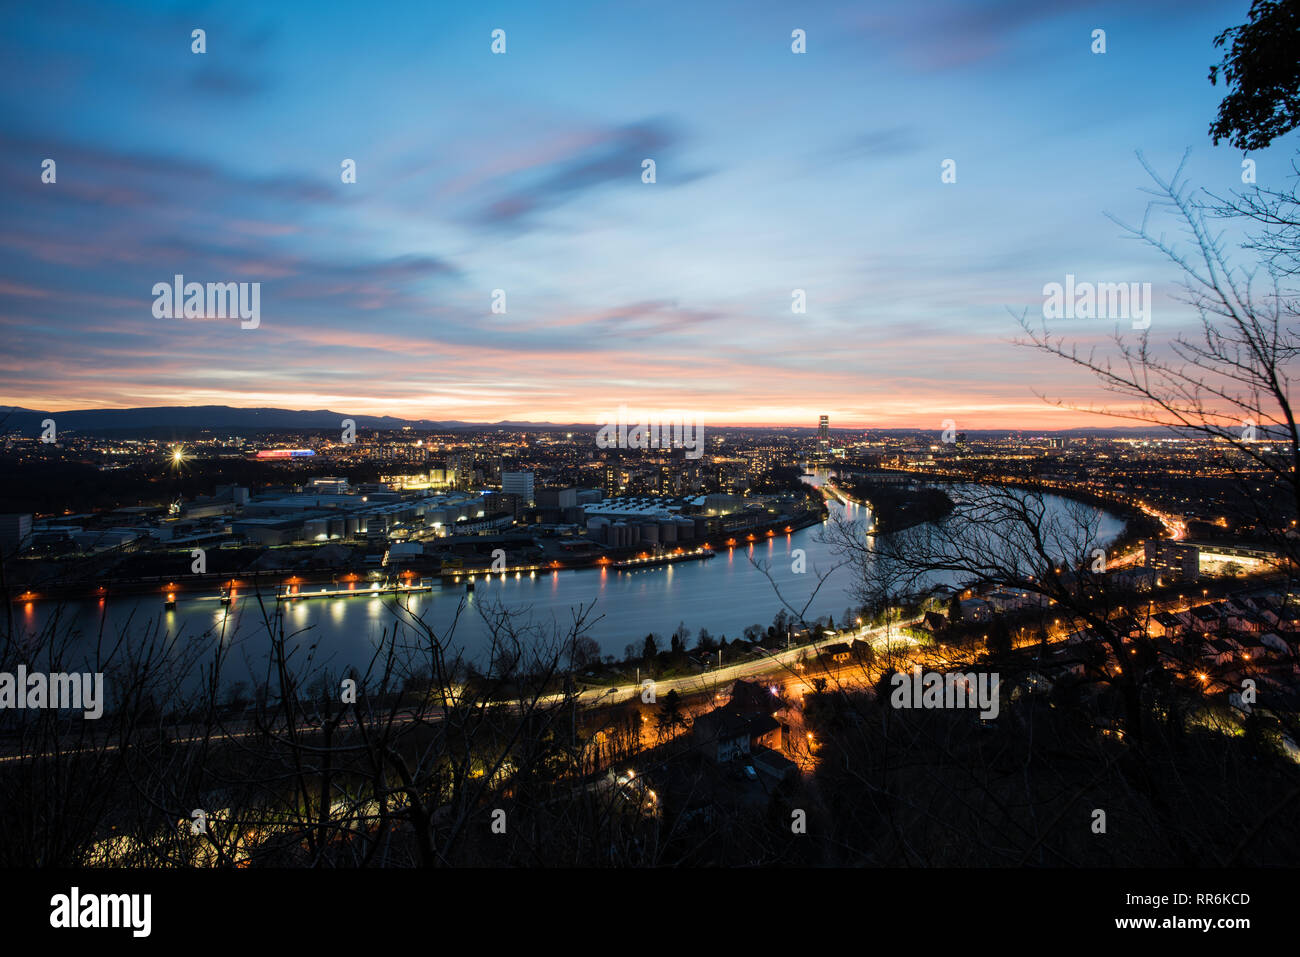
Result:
pixel 179 420
pixel 209 418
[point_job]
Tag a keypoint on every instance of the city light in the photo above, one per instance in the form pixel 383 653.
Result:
pixel 387 456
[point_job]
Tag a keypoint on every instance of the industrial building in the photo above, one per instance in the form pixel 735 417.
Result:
pixel 520 484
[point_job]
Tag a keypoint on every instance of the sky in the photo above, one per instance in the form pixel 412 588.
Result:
pixel 523 172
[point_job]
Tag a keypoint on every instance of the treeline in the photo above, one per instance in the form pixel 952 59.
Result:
pixel 898 507
pixel 1043 785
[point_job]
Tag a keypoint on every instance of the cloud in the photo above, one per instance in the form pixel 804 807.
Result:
pixel 878 144
pixel 614 156
pixel 106 176
pixel 640 319
pixel 226 82
pixel 959 34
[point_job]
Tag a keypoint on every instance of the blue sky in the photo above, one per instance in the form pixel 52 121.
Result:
pixel 522 172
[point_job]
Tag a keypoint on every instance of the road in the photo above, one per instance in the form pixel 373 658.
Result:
pixel 778 663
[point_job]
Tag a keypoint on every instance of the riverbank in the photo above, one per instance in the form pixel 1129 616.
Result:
pixel 896 510
pixel 736 593
pixel 354 573
pixel 1132 514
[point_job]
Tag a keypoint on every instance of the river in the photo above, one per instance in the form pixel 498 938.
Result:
pixel 724 594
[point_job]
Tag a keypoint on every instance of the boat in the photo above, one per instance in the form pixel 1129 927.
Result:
pixel 666 559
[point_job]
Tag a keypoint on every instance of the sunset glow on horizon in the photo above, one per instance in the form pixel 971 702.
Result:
pixel 521 175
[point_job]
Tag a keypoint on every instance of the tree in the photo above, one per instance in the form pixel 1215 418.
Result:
pixel 1004 537
pixel 586 652
pixel 397 774
pixel 999 641
pixel 1231 380
pixel 670 717
pixel 1236 373
pixel 1272 214
pixel 650 649
pixel 704 641
pixel 780 622
pixel 1261 70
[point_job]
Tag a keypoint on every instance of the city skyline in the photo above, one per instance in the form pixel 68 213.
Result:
pixel 755 436
pixel 771 177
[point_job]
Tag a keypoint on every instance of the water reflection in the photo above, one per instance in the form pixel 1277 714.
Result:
pixel 724 594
